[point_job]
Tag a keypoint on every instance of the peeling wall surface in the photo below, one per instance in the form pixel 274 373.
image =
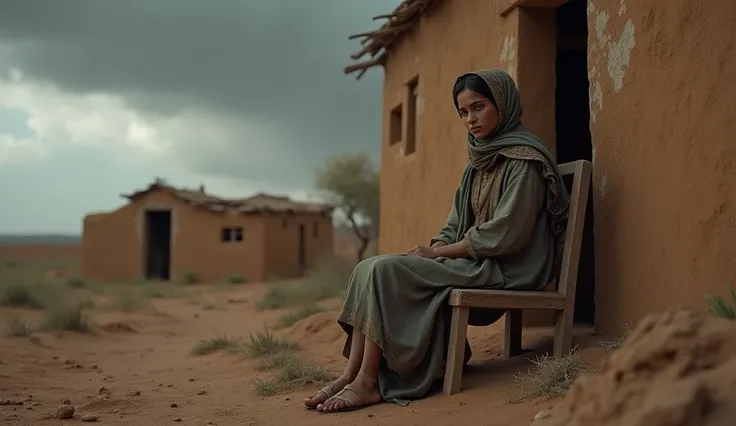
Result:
pixel 113 244
pixel 662 78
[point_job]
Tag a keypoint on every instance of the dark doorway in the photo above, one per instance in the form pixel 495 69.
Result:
pixel 302 250
pixel 572 113
pixel 158 245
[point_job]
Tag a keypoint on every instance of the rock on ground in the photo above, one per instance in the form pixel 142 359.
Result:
pixel 676 369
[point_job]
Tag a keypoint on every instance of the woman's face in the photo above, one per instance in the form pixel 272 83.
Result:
pixel 479 114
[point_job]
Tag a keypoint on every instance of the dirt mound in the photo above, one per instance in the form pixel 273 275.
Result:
pixel 318 328
pixel 676 369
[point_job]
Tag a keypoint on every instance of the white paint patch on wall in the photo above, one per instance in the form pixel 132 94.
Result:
pixel 508 49
pixel 601 28
pixel 622 8
pixel 619 55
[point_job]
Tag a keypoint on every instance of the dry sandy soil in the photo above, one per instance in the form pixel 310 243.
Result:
pixel 142 359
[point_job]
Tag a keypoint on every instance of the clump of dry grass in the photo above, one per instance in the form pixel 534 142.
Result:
pixel 16 326
pixel 222 343
pixel 160 290
pixel 552 377
pixel 614 343
pixel 31 296
pixel 329 279
pixel 289 372
pixel 76 282
pixel 291 318
pixel 719 308
pixel 264 343
pixel 258 345
pixel 67 318
pixel 235 278
pixel 128 300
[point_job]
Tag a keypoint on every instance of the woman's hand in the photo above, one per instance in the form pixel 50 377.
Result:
pixel 423 251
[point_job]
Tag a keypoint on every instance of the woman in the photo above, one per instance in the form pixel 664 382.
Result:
pixel 503 232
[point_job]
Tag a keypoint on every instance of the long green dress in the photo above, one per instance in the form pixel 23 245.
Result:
pixel 508 217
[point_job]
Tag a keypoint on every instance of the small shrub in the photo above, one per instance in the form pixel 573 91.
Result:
pixel 67 318
pixel 18 327
pixel 718 307
pixel 264 343
pixel 291 318
pixel 129 301
pixel 290 373
pixel 76 282
pixel 161 290
pixel 189 278
pixel 21 296
pixel 216 344
pixel 552 377
pixel 235 279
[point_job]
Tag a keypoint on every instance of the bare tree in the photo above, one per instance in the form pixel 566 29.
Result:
pixel 351 182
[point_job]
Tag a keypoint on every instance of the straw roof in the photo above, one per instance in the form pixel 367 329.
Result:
pixel 258 203
pixel 377 42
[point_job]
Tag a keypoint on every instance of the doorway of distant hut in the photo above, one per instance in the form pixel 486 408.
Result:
pixel 157 257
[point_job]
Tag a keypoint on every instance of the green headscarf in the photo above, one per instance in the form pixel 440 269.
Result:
pixel 510 139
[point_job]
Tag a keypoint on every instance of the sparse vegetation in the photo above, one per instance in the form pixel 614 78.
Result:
pixel 17 295
pixel 189 278
pixel 614 343
pixel 217 344
pixel 67 318
pixel 326 281
pixel 128 300
pixel 264 343
pixel 235 278
pixel 290 372
pixel 552 377
pixel 291 318
pixel 76 282
pixel 18 327
pixel 720 308
pixel 160 290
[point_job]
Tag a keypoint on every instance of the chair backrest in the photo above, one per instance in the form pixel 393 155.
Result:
pixel 567 278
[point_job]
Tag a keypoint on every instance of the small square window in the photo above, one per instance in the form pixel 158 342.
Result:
pixel 315 230
pixel 284 224
pixel 234 234
pixel 395 125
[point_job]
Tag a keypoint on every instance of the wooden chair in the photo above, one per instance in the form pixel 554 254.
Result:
pixel 562 301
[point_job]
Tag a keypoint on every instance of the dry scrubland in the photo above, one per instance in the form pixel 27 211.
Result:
pixel 228 353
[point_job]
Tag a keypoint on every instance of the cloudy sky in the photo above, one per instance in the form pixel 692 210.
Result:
pixel 97 97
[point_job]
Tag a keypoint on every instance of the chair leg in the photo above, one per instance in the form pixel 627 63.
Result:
pixel 563 333
pixel 456 350
pixel 512 345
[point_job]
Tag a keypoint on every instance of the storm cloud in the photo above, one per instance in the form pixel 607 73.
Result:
pixel 249 90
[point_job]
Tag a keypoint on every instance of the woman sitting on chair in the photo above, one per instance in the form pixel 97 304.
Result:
pixel 507 219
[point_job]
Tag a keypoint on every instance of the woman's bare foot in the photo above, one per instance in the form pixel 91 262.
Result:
pixel 327 392
pixel 360 393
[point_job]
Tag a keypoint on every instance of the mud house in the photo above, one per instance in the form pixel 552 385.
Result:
pixel 643 89
pixel 167 233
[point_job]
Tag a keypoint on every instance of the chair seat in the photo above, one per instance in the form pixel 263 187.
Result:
pixel 505 299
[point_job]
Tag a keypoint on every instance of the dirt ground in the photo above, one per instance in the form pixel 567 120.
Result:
pixel 142 360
